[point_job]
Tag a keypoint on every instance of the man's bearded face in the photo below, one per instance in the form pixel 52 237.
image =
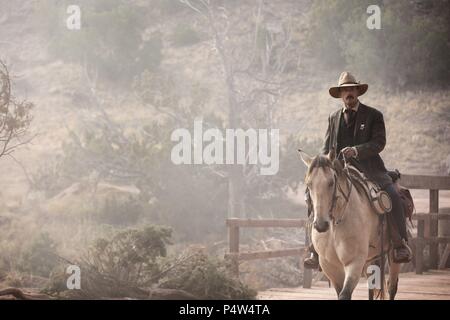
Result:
pixel 349 95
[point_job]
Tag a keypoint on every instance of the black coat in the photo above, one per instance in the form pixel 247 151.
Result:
pixel 369 137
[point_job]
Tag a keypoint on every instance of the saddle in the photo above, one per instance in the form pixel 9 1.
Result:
pixel 379 199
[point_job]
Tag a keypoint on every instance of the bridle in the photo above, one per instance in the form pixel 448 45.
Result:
pixel 337 187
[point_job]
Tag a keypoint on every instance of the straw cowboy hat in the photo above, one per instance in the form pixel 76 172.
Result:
pixel 347 80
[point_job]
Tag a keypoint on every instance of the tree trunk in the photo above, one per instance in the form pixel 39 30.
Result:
pixel 236 190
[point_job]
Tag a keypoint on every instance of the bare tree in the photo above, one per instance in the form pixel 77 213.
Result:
pixel 254 67
pixel 15 116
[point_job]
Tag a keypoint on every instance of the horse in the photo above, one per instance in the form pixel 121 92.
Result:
pixel 346 229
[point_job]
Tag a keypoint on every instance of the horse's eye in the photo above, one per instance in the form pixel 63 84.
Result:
pixel 330 184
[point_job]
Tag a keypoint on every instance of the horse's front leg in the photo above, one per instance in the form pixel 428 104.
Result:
pixel 335 273
pixel 352 275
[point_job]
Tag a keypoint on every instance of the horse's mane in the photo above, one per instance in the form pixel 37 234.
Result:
pixel 319 161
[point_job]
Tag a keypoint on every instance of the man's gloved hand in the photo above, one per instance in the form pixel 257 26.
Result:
pixel 349 152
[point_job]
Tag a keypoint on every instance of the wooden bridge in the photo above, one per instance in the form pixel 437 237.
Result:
pixel 430 285
pixel 430 278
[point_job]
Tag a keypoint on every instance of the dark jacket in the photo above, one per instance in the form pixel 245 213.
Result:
pixel 369 140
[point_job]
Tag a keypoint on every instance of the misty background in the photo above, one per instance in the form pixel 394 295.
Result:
pixel 97 177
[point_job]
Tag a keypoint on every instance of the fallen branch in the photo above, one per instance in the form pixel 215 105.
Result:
pixel 20 295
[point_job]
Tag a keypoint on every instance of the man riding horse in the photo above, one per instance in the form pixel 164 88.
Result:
pixel 357 131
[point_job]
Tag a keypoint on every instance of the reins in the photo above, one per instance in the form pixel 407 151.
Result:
pixel 337 187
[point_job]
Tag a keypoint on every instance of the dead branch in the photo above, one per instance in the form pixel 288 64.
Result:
pixel 170 294
pixel 15 116
pixel 20 295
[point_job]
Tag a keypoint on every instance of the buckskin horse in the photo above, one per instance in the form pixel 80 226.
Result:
pixel 346 228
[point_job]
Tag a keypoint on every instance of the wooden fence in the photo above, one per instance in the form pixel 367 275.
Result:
pixel 423 239
pixel 431 219
pixel 234 226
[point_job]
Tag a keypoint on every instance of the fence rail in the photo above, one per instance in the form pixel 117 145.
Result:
pixel 431 219
pixel 432 183
pixel 235 256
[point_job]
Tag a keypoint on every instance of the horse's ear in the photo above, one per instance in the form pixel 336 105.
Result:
pixel 332 154
pixel 305 157
pixel 337 165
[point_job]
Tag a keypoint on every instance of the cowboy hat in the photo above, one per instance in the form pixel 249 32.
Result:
pixel 347 80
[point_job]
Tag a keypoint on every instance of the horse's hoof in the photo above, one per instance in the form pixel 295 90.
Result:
pixel 345 296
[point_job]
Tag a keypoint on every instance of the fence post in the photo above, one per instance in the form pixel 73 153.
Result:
pixel 444 231
pixel 234 248
pixel 307 273
pixel 434 226
pixel 419 245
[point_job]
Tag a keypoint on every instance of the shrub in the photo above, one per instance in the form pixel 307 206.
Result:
pixel 109 40
pixel 131 255
pixel 408 51
pixel 133 262
pixel 119 212
pixel 184 36
pixel 169 7
pixel 40 256
pixel 206 278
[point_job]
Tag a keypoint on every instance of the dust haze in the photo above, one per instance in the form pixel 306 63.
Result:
pixel 96 186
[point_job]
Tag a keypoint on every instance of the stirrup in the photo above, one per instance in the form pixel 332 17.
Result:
pixel 312 262
pixel 407 258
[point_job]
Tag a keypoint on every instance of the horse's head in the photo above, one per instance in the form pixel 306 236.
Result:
pixel 322 179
